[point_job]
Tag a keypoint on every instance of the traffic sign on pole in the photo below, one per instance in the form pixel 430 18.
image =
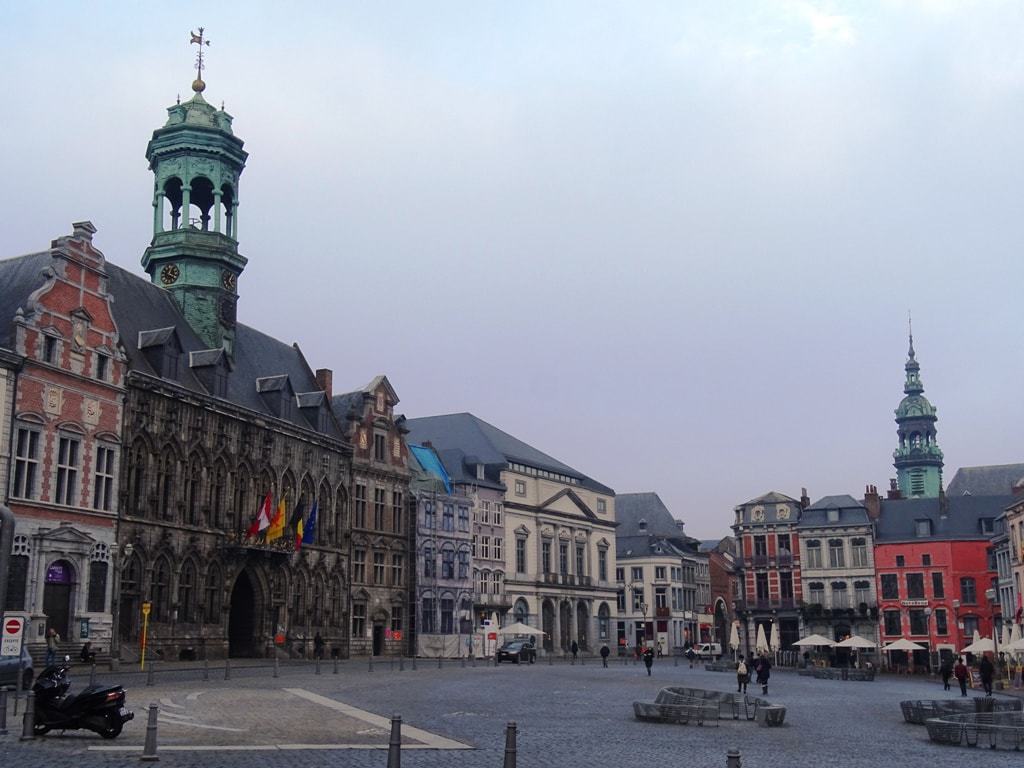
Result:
pixel 13 629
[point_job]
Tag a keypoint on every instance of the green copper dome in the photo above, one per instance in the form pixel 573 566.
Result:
pixel 197 111
pixel 917 458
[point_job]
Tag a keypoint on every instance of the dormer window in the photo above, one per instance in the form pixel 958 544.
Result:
pixel 986 525
pixel 102 366
pixel 922 528
pixel 833 515
pixel 49 349
pixel 161 349
pixel 276 392
pixel 211 367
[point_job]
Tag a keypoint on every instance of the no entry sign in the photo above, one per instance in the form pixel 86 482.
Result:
pixel 14 627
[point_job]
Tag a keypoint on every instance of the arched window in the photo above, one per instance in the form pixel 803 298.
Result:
pixel 168 480
pixel 214 589
pixel 603 621
pixel 521 611
pixel 98 567
pixel 139 467
pixel 187 593
pixel 298 612
pixel 218 495
pixel 242 511
pixel 160 590
pixel 337 607
pixel 192 486
pixel 319 592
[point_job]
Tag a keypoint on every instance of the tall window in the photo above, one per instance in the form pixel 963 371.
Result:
pixel 485 547
pixel 448 517
pixel 941 626
pixel 397 567
pixel 835 553
pixel 17 581
pixel 26 463
pixel 429 563
pixel 396 618
pixel 102 366
pixel 67 471
pixel 447 616
pixel 892 623
pixel 786 585
pixel 520 555
pixel 971 625
pixel 463 564
pixel 840 595
pixel 359 565
pixel 192 482
pixel 160 590
pixel 97 586
pixel 938 588
pixel 783 544
pixel 213 591
pixel 485 511
pixel 860 553
pixel 915 586
pixel 463 518
pixel 760 546
pixel 918 622
pixel 358 620
pixel 447 564
pixel 497 512
pixel 602 564
pixel 545 556
pixel 660 597
pixel 563 558
pixel 816 593
pixel 378 509
pixel 396 511
pixel 620 601
pixel 580 559
pixel 428 618
pixel 890 586
pixel 428 514
pixel 968 593
pixel 862 592
pixel 168 472
pixel 761 584
pixel 360 510
pixel 380 447
pixel 497 548
pixel 186 592
pixel 378 567
pixel 814 554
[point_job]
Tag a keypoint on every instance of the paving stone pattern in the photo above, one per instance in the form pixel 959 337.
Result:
pixel 567 716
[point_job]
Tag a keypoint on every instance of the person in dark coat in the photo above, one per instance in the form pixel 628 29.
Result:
pixel 575 649
pixel 764 671
pixel 318 646
pixel 690 655
pixel 987 670
pixel 960 673
pixel 604 655
pixel 648 659
pixel 946 670
pixel 742 675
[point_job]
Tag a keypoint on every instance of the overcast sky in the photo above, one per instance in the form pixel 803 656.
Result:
pixel 673 245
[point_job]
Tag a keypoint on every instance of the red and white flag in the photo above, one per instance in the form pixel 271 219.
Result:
pixel 262 521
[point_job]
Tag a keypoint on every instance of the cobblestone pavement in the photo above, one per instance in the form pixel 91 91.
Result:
pixel 567 716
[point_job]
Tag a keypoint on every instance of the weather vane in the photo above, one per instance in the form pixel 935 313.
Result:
pixel 198 85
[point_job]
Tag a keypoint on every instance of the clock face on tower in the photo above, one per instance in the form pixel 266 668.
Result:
pixel 170 274
pixel 228 280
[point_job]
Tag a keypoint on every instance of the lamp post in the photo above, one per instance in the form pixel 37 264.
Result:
pixel 120 560
pixel 643 613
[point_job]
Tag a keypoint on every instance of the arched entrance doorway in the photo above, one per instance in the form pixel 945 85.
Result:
pixel 242 620
pixel 582 625
pixel 565 625
pixel 548 625
pixel 57 593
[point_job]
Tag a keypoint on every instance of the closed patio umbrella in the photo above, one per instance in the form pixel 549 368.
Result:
pixel 774 641
pixel 762 642
pixel 734 636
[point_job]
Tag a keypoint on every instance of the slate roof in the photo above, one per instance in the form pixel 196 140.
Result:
pixel 630 547
pixel 146 313
pixel 955 518
pixel 851 512
pixel 630 508
pixel 490 445
pixel 772 497
pixel 988 480
pixel 461 468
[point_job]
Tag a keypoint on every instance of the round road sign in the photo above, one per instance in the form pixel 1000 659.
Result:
pixel 12 626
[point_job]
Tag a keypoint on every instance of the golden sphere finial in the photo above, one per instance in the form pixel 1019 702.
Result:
pixel 198 85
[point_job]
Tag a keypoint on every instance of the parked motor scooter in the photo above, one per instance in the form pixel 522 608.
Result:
pixel 99 708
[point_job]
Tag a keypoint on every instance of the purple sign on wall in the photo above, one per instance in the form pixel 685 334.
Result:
pixel 58 573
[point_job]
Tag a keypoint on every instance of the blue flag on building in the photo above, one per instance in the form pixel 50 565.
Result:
pixel 309 528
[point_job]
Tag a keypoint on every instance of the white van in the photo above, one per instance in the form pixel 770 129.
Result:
pixel 708 650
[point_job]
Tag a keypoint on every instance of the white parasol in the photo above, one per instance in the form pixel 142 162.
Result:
pixel 855 641
pixel 773 641
pixel 734 636
pixel 903 645
pixel 814 641
pixel 520 629
pixel 762 642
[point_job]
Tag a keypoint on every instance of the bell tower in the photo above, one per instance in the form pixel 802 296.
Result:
pixel 918 459
pixel 196 161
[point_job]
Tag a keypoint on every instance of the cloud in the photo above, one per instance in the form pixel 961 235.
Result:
pixel 826 27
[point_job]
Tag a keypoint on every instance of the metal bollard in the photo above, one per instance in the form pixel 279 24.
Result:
pixel 3 710
pixel 17 686
pixel 316 666
pixel 335 665
pixel 28 720
pixel 92 674
pixel 149 749
pixel 414 663
pixel 150 673
pixel 227 668
pixel 583 658
pixel 439 661
pixel 206 668
pixel 275 663
pixel 510 745
pixel 463 660
pixel 551 659
pixel 732 758
pixel 472 659
pixel 395 743
pixel 371 662
pixel 401 663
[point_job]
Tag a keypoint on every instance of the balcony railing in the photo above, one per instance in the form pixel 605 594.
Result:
pixel 500 600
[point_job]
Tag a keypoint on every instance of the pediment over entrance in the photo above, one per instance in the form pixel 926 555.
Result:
pixel 568 502
pixel 67 535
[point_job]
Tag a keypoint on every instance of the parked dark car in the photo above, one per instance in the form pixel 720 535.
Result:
pixel 516 651
pixel 9 669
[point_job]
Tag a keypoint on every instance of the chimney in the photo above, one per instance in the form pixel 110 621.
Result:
pixel 894 490
pixel 872 502
pixel 83 230
pixel 805 500
pixel 325 380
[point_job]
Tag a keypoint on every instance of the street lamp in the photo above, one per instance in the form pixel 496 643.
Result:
pixel 119 561
pixel 643 613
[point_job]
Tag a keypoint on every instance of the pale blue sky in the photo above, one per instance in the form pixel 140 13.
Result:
pixel 672 244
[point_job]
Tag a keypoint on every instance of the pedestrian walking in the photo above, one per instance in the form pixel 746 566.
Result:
pixel 52 646
pixel 946 670
pixel 87 654
pixel 318 646
pixel 742 675
pixel 575 649
pixel 960 673
pixel 604 655
pixel 986 669
pixel 648 659
pixel 690 655
pixel 764 671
